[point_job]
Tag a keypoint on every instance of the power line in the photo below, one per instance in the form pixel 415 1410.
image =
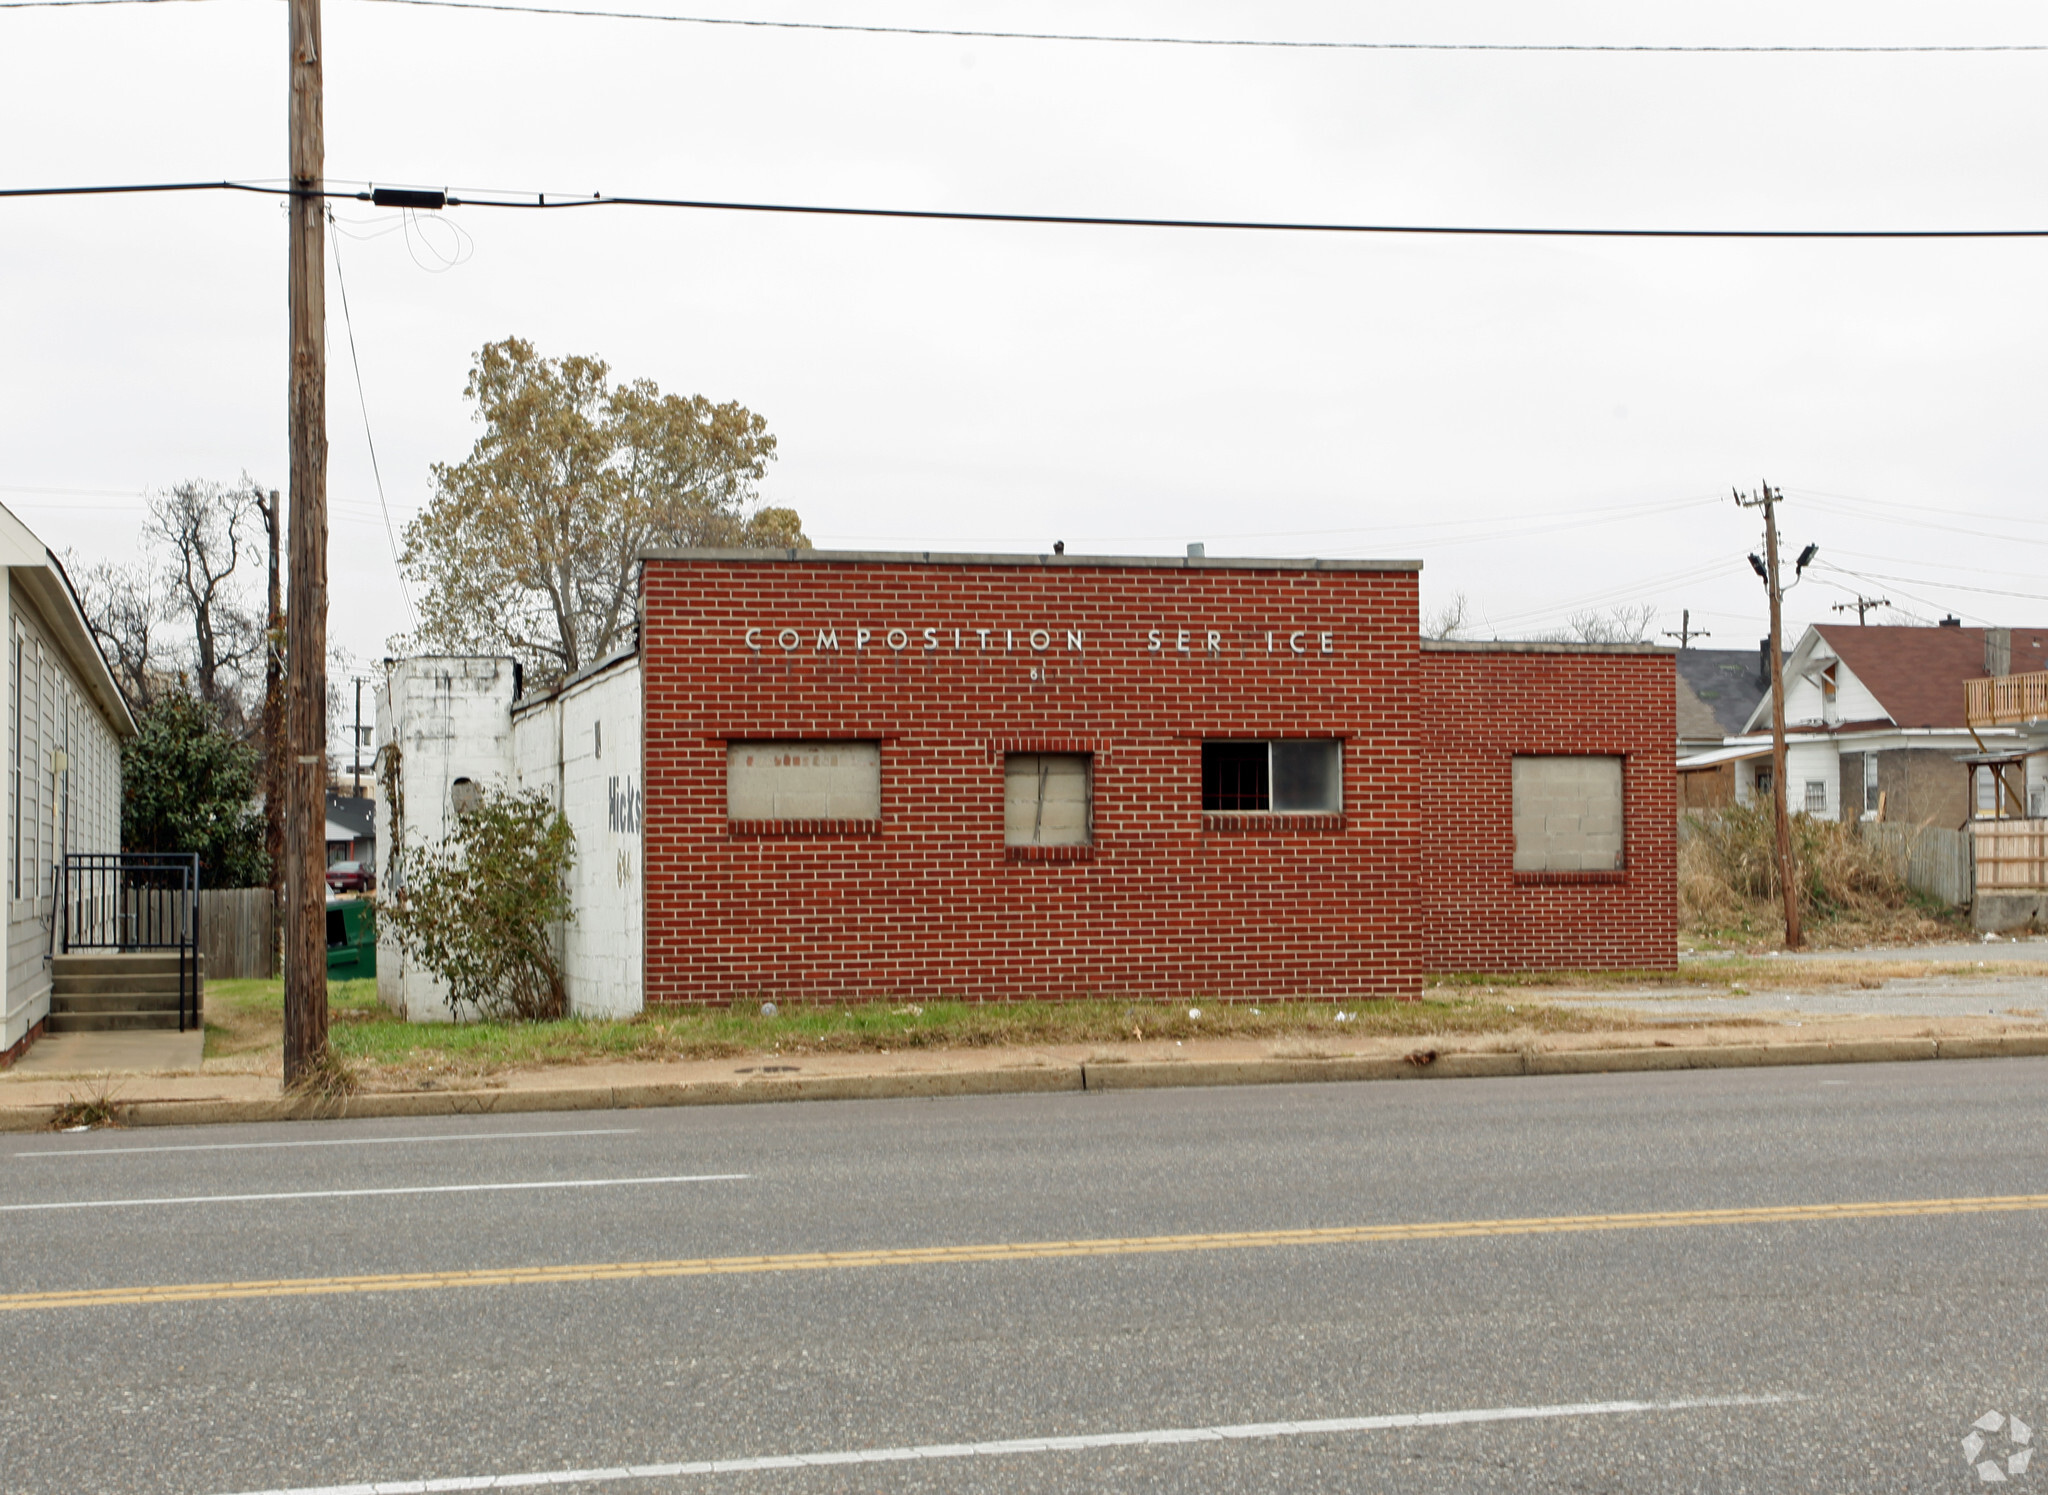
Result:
pixel 1946 586
pixel 1909 596
pixel 363 403
pixel 540 201
pixel 1263 43
pixel 1918 512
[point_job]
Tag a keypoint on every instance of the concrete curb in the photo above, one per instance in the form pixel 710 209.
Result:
pixel 1043 1079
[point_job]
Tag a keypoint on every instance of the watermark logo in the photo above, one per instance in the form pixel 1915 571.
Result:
pixel 1987 1433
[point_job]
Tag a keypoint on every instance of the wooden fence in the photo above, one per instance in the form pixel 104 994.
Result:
pixel 1933 860
pixel 2012 855
pixel 238 933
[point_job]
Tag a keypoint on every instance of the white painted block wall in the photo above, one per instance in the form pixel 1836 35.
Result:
pixel 456 718
pixel 582 746
pixel 450 718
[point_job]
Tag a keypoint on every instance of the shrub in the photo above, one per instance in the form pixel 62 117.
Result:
pixel 189 785
pixel 479 909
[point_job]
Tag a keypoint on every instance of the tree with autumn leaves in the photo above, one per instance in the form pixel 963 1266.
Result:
pixel 530 546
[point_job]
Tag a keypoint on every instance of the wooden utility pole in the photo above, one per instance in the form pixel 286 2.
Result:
pixel 1788 871
pixel 273 703
pixel 1862 605
pixel 1685 633
pixel 305 835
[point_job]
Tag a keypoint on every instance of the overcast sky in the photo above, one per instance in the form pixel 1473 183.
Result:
pixel 1550 425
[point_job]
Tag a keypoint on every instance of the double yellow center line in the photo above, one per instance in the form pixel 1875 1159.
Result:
pixel 918 1256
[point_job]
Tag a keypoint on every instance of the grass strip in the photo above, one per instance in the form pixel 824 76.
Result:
pixel 246 1018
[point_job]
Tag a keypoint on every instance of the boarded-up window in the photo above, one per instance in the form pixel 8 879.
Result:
pixel 1567 814
pixel 803 781
pixel 1048 799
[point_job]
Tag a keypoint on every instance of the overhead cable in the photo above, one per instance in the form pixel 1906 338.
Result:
pixel 550 202
pixel 963 33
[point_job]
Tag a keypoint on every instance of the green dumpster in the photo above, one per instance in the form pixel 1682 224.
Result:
pixel 351 939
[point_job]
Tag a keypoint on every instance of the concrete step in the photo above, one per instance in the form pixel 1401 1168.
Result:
pixel 69 983
pixel 110 963
pixel 114 1001
pixel 109 1022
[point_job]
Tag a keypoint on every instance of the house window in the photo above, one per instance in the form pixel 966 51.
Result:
pixel 1567 814
pixel 1987 792
pixel 1816 796
pixel 1048 799
pixel 1287 778
pixel 1870 783
pixel 803 781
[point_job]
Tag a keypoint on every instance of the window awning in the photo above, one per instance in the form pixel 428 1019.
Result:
pixel 1717 756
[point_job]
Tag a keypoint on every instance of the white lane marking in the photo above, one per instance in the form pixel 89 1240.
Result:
pixel 1151 1437
pixel 562 1183
pixel 100 1152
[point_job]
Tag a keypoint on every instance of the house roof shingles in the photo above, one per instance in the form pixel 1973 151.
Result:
pixel 1917 673
pixel 1717 690
pixel 359 816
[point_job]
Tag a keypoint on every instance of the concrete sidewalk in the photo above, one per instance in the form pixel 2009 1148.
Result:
pixel 145 1051
pixel 32 1101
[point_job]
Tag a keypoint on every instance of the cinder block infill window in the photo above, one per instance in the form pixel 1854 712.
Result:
pixel 796 784
pixel 1568 815
pixel 1303 777
pixel 1048 799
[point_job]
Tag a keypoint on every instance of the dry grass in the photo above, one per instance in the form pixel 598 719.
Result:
pixel 1851 892
pixel 95 1108
pixel 375 1051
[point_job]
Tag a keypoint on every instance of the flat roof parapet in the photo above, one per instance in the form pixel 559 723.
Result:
pixel 1540 646
pixel 943 558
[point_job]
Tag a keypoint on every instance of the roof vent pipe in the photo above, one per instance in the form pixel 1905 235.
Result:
pixel 1951 622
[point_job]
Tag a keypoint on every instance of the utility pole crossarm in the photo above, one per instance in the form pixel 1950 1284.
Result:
pixel 1685 633
pixel 1862 606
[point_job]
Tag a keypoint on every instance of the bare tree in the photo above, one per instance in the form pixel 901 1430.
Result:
pixel 1448 621
pixel 126 612
pixel 204 528
pixel 1628 624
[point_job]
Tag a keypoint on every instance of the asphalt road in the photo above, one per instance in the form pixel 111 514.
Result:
pixel 1797 1350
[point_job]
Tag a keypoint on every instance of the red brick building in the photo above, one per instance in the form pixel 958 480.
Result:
pixel 874 776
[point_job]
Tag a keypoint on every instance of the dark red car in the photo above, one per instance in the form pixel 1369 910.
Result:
pixel 352 877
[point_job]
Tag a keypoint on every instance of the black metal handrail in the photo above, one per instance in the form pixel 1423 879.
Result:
pixel 133 901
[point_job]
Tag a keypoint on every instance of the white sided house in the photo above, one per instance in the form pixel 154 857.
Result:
pixel 446 724
pixel 62 791
pixel 1876 728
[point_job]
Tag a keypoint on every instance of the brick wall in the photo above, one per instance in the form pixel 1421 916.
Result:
pixel 1481 707
pixel 927 901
